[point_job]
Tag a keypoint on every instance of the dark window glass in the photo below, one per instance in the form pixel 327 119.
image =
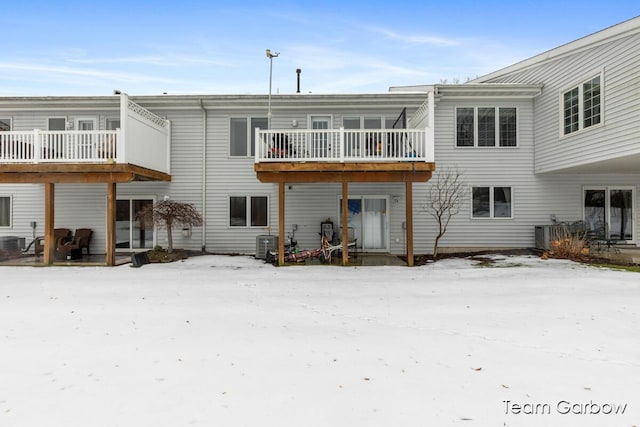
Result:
pixel 238 140
pixel 259 211
pixel 464 127
pixel 486 127
pixel 507 125
pixel 238 211
pixel 481 203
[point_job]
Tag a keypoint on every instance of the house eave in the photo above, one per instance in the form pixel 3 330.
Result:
pixel 488 90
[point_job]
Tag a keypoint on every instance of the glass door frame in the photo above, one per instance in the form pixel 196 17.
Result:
pixel 361 240
pixel 607 206
pixel 131 227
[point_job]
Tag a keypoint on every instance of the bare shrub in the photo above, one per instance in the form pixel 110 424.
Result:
pixel 567 245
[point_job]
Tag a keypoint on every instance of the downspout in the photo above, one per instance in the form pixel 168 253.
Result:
pixel 204 177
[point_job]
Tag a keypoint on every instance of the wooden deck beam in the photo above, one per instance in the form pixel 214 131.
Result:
pixel 281 223
pixel 49 220
pixel 297 177
pixel 77 173
pixel 345 223
pixel 409 221
pixel 111 224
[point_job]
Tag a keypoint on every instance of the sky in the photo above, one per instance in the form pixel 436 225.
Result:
pixel 204 47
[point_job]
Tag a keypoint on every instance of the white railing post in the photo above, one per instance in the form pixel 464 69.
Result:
pixel 37 146
pixel 257 148
pixel 120 154
pixel 429 145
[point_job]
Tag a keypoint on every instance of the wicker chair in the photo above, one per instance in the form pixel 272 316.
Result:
pixel 60 236
pixel 81 239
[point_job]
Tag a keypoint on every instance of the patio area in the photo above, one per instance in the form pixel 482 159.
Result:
pixel 29 260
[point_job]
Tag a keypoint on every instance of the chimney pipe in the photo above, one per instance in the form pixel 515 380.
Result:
pixel 298 71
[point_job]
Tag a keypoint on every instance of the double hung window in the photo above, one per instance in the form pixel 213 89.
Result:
pixel 582 106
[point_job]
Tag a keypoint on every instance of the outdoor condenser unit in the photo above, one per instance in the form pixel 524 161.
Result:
pixel 265 243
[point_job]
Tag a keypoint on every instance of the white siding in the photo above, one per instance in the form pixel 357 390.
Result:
pixel 618 137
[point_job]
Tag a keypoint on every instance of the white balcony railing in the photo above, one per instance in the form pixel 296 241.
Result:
pixel 40 146
pixel 143 139
pixel 344 145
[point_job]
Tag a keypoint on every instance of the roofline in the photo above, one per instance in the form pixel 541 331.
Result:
pixel 468 90
pixel 623 29
pixel 211 101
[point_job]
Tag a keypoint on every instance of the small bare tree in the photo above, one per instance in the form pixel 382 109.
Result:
pixel 444 200
pixel 168 214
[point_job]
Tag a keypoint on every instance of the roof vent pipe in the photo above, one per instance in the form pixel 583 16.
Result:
pixel 298 71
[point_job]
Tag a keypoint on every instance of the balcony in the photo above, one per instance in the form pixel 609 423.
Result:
pixel 341 155
pixel 143 141
pixel 342 145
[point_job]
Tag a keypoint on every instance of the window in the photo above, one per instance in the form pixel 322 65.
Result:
pixel 5 211
pixel 248 211
pixel 113 124
pixel 57 123
pixel 243 137
pixel 483 126
pixel 464 127
pixel 5 124
pixel 491 202
pixel 581 106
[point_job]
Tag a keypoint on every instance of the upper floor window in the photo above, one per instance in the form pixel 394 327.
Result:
pixel 581 106
pixel 491 202
pixel 242 135
pixel 57 123
pixel 486 127
pixel 5 124
pixel 5 211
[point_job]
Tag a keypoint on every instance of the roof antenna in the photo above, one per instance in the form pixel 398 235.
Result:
pixel 298 71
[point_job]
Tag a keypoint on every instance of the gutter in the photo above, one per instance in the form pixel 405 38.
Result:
pixel 204 177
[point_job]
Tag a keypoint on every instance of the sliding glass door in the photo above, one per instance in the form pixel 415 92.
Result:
pixel 131 232
pixel 367 216
pixel 612 208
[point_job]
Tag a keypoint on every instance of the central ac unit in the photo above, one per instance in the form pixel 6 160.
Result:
pixel 265 243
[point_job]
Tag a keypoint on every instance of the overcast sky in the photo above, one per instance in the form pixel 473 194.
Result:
pixel 212 47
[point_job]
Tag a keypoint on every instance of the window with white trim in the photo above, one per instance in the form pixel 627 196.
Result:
pixel 248 211
pixel 5 124
pixel 57 123
pixel 486 127
pixel 242 135
pixel 492 202
pixel 5 211
pixel 581 106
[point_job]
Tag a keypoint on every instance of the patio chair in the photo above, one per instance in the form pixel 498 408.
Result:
pixel 599 235
pixel 81 239
pixel 60 236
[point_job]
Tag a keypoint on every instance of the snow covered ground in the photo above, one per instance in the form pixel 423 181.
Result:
pixel 231 341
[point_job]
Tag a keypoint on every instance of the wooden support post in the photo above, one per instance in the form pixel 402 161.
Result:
pixel 281 223
pixel 111 224
pixel 345 223
pixel 409 221
pixel 49 220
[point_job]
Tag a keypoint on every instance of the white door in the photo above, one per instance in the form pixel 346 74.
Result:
pixel 320 141
pixel 85 140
